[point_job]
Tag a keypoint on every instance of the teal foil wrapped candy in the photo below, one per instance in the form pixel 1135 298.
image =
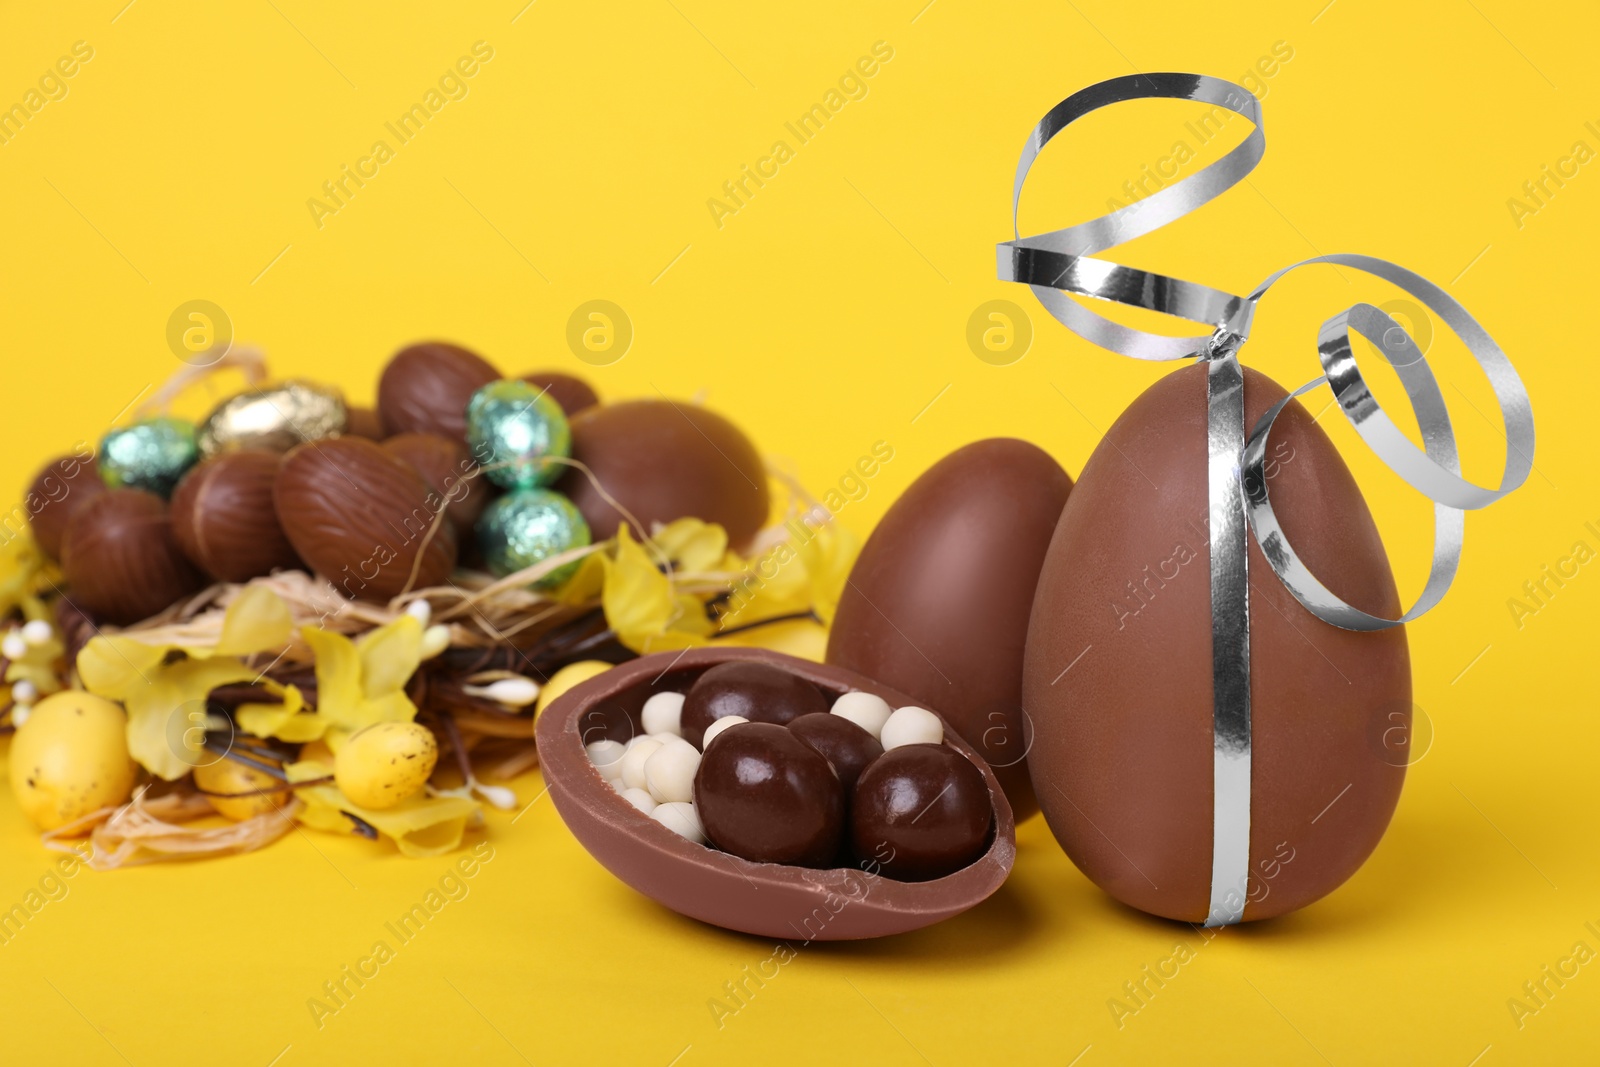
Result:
pixel 527 526
pixel 151 455
pixel 513 428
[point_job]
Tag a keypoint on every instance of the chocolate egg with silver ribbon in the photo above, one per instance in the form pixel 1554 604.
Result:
pixel 1217 668
pixel 276 418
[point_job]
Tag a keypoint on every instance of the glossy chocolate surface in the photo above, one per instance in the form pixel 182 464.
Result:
pixel 769 899
pixel 760 692
pixel 1122 758
pixel 225 520
pixel 847 747
pixel 664 460
pixel 939 600
pixel 921 811
pixel 425 389
pixel 121 560
pixel 361 518
pixel 766 796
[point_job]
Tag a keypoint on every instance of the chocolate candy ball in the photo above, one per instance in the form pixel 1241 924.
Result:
pixel 920 812
pixel 767 796
pixel 225 520
pixel 758 691
pixel 573 394
pixel 841 742
pixel 449 471
pixel 425 389
pixel 121 560
pixel 57 491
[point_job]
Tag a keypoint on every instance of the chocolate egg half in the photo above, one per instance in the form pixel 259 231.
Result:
pixel 769 899
pixel 1119 679
pixel 938 602
pixel 425 389
pixel 362 519
pixel 663 460
pixel 225 519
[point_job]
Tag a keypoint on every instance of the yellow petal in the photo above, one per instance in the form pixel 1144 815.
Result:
pixel 419 826
pixel 637 598
pixel 166 716
pixel 257 621
pixel 693 544
pixel 585 583
pixel 798 637
pixel 389 657
pixel 338 670
pixel 287 721
pixel 112 667
pixel 828 557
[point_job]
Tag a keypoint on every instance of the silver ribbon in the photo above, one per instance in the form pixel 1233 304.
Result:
pixel 1060 265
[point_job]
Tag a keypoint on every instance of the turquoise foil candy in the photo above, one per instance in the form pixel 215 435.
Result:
pixel 527 526
pixel 151 455
pixel 512 427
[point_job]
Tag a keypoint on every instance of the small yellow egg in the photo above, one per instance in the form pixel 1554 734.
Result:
pixel 231 776
pixel 382 765
pixel 566 678
pixel 71 758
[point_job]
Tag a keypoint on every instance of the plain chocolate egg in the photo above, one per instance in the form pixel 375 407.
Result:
pixel 425 388
pixel 225 519
pixel 121 560
pixel 938 602
pixel 664 460
pixel 1119 676
pixel 362 518
pixel 572 393
pixel 57 491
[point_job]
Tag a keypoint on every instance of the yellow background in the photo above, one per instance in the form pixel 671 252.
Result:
pixel 827 314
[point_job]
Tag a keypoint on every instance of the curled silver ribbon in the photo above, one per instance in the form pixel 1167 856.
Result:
pixel 1060 264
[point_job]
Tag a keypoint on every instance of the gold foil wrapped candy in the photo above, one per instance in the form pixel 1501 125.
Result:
pixel 276 419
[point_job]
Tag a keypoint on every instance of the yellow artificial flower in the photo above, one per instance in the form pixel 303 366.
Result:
pixel 828 556
pixel 359 683
pixel 22 572
pixel 165 697
pixel 641 606
pixel 420 825
pixel 693 545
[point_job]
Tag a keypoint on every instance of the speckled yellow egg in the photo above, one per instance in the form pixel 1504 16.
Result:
pixel 566 678
pixel 70 758
pixel 231 776
pixel 384 764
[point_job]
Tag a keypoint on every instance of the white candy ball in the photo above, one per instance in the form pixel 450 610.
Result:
pixel 681 819
pixel 640 799
pixel 669 773
pixel 634 759
pixel 661 713
pixel 607 758
pixel 865 710
pixel 37 632
pixel 911 726
pixel 720 725
pixel 617 785
pixel 13 647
